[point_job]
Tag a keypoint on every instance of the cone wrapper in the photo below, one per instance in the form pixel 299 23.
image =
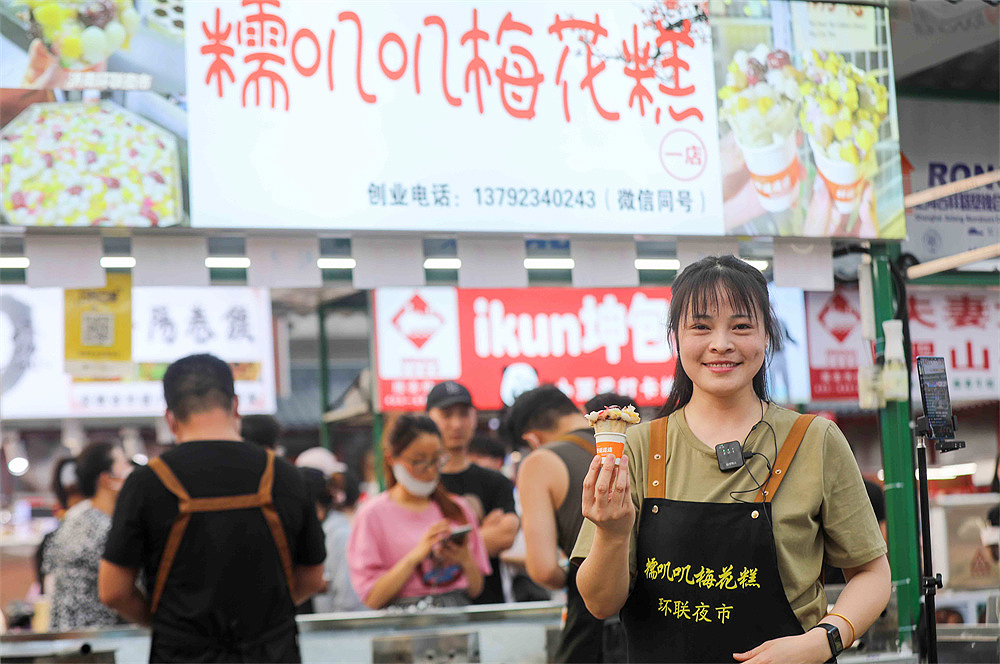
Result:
pixel 610 443
pixel 842 179
pixel 774 172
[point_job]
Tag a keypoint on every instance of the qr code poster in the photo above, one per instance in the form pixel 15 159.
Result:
pixel 98 330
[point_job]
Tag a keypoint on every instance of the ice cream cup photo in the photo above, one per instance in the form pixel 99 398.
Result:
pixel 774 172
pixel 842 179
pixel 610 442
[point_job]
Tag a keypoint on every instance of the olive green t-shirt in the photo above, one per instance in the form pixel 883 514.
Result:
pixel 820 512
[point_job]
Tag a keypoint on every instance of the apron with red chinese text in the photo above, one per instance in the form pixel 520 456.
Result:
pixel 707 583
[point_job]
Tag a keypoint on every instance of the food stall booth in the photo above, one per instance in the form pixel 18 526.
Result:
pixel 514 186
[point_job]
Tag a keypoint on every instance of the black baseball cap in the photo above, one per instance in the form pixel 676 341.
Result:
pixel 447 394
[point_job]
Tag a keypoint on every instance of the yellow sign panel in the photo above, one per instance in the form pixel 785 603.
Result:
pixel 99 330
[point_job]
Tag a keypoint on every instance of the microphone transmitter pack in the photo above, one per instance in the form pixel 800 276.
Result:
pixel 730 456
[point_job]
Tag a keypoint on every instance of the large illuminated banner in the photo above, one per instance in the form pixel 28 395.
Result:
pixel 557 116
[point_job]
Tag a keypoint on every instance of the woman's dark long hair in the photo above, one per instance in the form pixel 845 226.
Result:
pixel 407 429
pixel 695 291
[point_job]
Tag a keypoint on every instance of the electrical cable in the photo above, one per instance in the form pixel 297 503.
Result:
pixel 749 455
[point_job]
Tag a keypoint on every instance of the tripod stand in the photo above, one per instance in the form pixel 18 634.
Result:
pixel 929 581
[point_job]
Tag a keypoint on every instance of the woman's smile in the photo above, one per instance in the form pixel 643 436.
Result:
pixel 721 367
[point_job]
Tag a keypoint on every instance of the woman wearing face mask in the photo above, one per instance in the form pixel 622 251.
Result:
pixel 400 552
pixel 76 549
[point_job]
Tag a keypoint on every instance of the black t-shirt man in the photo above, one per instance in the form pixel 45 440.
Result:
pixel 494 491
pixel 226 584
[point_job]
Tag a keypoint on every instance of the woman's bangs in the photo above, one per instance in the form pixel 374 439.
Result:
pixel 706 290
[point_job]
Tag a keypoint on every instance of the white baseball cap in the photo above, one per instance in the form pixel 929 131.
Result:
pixel 322 460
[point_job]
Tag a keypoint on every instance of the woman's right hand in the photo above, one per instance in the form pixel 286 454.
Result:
pixel 607 496
pixel 431 536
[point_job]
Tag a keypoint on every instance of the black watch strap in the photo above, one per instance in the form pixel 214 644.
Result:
pixel 834 640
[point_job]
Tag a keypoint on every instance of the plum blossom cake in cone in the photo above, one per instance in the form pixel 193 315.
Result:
pixel 609 429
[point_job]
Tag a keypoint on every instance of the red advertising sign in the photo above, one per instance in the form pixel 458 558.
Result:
pixel 501 342
pixel 960 325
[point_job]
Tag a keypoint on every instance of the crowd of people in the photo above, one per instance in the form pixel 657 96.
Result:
pixel 219 542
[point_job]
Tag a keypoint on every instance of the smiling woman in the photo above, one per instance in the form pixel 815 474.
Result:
pixel 719 557
pixel 721 302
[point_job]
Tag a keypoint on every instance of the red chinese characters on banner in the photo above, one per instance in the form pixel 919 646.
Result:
pixel 675 64
pixel 265 30
pixel 584 341
pixel 217 48
pixel 518 79
pixel 961 326
pixel 656 59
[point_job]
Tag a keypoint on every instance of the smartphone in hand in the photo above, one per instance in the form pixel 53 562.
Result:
pixel 458 534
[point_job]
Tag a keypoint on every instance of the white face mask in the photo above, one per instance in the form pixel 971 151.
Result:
pixel 422 488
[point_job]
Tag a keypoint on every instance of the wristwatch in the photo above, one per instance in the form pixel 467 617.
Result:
pixel 833 637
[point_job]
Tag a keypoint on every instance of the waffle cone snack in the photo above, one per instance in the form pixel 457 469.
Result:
pixel 609 429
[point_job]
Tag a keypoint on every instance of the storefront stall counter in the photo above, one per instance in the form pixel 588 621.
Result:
pixel 500 633
pixel 526 632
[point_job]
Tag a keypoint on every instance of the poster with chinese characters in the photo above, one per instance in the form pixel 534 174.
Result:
pixel 501 342
pixel 167 323
pixel 98 342
pixel 593 117
pixel 807 119
pixel 960 325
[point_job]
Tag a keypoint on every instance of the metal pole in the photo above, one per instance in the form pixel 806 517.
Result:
pixel 928 582
pixel 378 427
pixel 898 464
pixel 378 418
pixel 324 378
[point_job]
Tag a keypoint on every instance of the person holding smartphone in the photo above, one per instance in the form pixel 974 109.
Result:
pixel 416 544
pixel 710 536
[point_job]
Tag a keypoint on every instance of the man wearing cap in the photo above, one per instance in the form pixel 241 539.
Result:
pixel 225 533
pixel 550 485
pixel 449 404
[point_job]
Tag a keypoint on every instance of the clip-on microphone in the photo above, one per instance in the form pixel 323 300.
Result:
pixel 730 455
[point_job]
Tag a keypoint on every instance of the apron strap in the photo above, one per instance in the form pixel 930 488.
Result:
pixel 788 449
pixel 175 487
pixel 186 506
pixel 657 459
pixel 264 494
pixel 584 444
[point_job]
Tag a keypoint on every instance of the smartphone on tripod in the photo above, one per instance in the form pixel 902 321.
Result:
pixel 933 378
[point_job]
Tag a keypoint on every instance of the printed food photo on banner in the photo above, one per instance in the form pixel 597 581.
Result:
pixel 87 164
pixel 807 121
pixel 97 44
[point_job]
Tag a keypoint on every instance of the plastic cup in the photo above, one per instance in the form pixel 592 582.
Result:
pixel 841 178
pixel 610 443
pixel 774 172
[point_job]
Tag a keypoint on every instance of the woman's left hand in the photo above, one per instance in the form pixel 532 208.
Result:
pixel 811 647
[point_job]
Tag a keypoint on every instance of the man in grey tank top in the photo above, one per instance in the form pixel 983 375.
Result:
pixel 550 485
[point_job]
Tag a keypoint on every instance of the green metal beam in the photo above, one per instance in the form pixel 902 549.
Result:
pixel 970 279
pixel 898 463
pixel 324 378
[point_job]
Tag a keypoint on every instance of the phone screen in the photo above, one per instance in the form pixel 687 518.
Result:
pixel 459 534
pixel 933 378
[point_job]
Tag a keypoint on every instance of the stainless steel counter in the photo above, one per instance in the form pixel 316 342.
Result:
pixel 523 632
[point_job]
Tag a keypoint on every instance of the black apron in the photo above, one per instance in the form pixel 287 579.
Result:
pixel 707 583
pixel 280 642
